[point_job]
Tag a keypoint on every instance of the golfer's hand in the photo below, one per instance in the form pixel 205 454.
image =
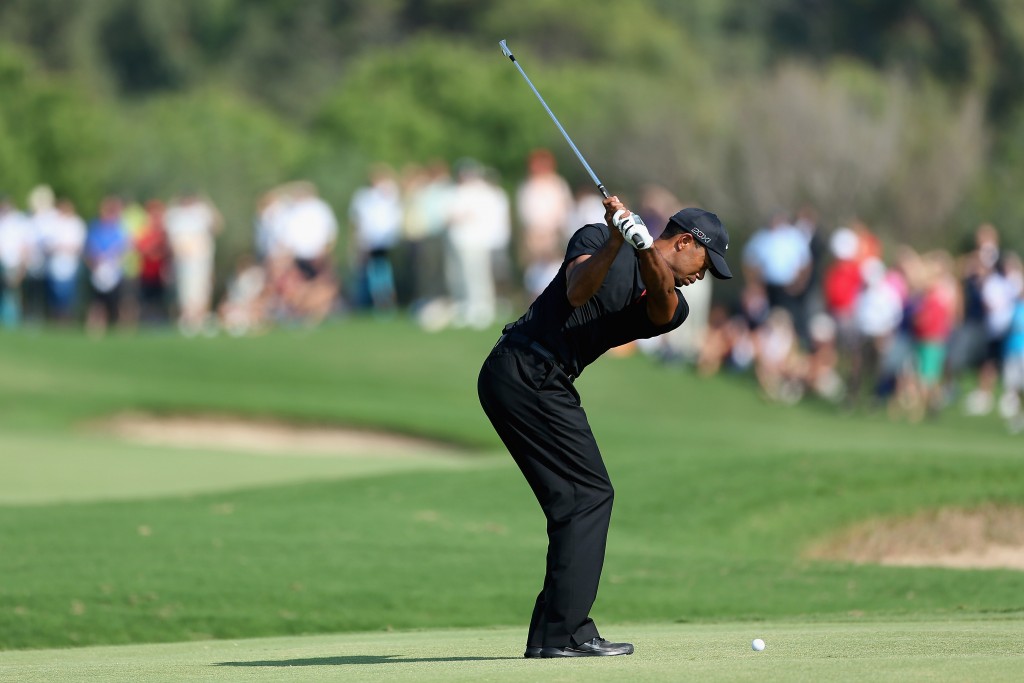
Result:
pixel 632 228
pixel 612 205
pixel 629 225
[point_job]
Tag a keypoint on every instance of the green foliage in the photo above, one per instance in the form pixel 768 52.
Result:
pixel 651 91
pixel 620 35
pixel 996 196
pixel 432 98
pixel 49 133
pixel 17 167
pixel 209 140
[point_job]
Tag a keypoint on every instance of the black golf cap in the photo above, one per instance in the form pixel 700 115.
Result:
pixel 709 231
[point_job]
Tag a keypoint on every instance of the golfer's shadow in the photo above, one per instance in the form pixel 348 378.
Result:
pixel 359 659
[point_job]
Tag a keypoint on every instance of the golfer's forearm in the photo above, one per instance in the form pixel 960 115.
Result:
pixel 661 287
pixel 585 278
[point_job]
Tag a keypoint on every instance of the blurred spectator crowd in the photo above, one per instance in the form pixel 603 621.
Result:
pixel 120 268
pixel 826 313
pixel 830 315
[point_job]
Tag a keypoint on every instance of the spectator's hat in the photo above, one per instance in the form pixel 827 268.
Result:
pixel 708 231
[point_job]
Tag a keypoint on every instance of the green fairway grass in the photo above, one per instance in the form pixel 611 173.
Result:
pixel 946 650
pixel 718 495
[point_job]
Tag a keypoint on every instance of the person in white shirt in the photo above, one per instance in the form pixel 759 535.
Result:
pixel 42 212
pixel 309 230
pixel 192 223
pixel 877 315
pixel 376 216
pixel 478 223
pixel 15 248
pixel 63 245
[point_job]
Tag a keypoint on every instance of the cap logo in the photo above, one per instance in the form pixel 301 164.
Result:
pixel 698 233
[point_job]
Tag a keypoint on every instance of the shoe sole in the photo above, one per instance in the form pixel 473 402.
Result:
pixel 581 653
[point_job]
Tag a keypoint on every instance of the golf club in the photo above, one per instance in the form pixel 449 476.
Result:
pixel 593 176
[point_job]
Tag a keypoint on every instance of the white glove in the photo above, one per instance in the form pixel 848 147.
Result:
pixel 633 229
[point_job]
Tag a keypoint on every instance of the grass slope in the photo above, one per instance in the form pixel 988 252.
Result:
pixel 717 495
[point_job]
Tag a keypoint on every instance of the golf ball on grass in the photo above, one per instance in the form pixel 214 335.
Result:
pixel 758 644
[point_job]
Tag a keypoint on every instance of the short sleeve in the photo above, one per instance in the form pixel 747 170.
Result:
pixel 587 240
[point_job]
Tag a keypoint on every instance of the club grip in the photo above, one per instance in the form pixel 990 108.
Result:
pixel 604 192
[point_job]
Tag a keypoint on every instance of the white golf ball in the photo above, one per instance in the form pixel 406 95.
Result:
pixel 758 644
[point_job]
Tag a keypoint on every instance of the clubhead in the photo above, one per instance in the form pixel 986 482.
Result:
pixel 505 51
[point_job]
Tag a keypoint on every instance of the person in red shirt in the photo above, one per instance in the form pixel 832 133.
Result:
pixel 842 287
pixel 154 262
pixel 931 323
pixel 843 281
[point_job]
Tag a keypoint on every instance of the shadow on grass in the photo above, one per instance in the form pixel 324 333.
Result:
pixel 360 659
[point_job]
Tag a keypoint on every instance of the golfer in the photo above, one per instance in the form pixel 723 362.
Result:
pixel 616 284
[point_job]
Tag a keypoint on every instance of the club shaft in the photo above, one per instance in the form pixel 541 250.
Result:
pixel 593 176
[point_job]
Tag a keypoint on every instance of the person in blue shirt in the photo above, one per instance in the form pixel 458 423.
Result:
pixel 1013 369
pixel 105 248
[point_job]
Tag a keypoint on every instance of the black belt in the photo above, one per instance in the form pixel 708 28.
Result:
pixel 522 341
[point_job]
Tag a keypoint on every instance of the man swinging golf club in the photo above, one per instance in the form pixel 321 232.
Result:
pixel 605 294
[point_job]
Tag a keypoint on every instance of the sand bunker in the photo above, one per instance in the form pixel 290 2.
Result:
pixel 985 537
pixel 263 437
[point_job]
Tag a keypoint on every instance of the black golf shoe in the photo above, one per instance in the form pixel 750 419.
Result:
pixel 598 647
pixel 532 651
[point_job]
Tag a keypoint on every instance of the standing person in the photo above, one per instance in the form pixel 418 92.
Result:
pixel 478 220
pixel 105 248
pixel 192 223
pixel 932 323
pixel 426 224
pixel 65 241
pixel 134 218
pixel 778 258
pixel 542 231
pixel 42 215
pixel 1013 369
pixel 605 294
pixel 376 216
pixel 841 290
pixel 154 264
pixel 878 312
pixel 810 299
pixel 968 346
pixel 15 251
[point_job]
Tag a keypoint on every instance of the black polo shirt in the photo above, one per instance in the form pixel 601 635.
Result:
pixel 615 315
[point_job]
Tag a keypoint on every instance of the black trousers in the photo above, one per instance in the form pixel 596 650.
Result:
pixel 536 411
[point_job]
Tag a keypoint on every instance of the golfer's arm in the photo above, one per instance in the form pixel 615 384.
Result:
pixel 584 274
pixel 662 300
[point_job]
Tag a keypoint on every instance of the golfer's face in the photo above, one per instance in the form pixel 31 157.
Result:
pixel 691 264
